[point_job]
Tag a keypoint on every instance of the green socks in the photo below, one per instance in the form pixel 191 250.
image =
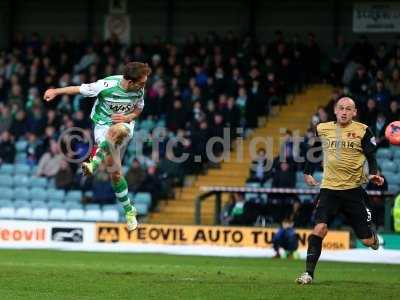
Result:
pixel 121 192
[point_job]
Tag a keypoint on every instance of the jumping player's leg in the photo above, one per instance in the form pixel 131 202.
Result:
pixel 120 187
pixel 107 138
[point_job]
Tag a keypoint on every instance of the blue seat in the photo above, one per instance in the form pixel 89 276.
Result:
pixel 22 193
pixel 110 215
pixel 20 180
pixel 299 176
pixel 23 213
pixel 38 193
pixel 393 188
pixel 58 214
pixel 75 214
pixel 7 169
pixel 392 178
pixel 6 180
pixel 73 196
pixel 21 203
pixel 389 166
pixel 318 176
pixel 384 153
pixel 252 185
pixel 142 209
pixel 6 203
pixel 38 182
pixel 6 193
pixel 20 158
pixel 92 215
pixel 73 205
pixel 21 145
pixel 55 195
pixel 7 212
pixel 143 198
pixel 111 207
pixel 51 205
pixel 92 206
pixel 38 204
pixel 40 213
pixel 22 169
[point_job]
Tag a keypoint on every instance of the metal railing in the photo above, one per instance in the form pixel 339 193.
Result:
pixel 209 191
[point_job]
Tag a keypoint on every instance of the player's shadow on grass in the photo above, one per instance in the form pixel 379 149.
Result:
pixel 349 283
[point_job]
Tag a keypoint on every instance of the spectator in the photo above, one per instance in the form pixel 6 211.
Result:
pixel 7 148
pixel 135 176
pixel 394 112
pixel 50 162
pixel 285 238
pixel 101 187
pixel 260 171
pixel 378 129
pixel 64 177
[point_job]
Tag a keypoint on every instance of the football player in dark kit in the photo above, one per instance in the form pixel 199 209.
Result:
pixel 346 146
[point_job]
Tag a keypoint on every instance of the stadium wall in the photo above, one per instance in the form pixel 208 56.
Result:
pixel 82 19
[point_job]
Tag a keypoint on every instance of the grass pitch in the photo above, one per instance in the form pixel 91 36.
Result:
pixel 82 276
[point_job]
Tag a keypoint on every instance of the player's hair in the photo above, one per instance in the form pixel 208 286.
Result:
pixel 136 70
pixel 340 98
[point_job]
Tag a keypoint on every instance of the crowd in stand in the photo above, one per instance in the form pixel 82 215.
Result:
pixel 196 89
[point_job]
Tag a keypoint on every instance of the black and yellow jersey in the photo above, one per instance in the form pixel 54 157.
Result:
pixel 345 152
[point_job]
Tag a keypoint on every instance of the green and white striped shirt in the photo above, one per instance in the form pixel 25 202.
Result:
pixel 111 99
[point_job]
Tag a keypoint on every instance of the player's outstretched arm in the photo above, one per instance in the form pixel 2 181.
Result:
pixel 50 94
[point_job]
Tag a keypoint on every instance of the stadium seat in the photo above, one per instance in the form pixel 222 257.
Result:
pixel 250 196
pixel 268 184
pixel 51 205
pixel 40 213
pixel 38 204
pixel 20 180
pixel 7 213
pixel 143 198
pixel 6 193
pixel 20 158
pixel 6 169
pixel 38 193
pixel 55 195
pixel 92 215
pixel 22 169
pixel 125 169
pixel 73 205
pixel 110 215
pixel 6 180
pixel 22 193
pixel 6 203
pixel 73 196
pixel 21 203
pixel 389 166
pixel 23 213
pixel 142 209
pixel 92 206
pixel 111 207
pixel 299 176
pixel 38 182
pixel 384 153
pixel 75 214
pixel 253 184
pixel 393 188
pixel 58 214
pixel 318 176
pixel 21 145
pixel 391 177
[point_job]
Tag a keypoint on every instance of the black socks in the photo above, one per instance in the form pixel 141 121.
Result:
pixel 313 253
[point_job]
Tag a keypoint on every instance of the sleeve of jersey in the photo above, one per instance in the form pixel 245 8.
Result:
pixel 92 89
pixel 308 166
pixel 140 104
pixel 368 145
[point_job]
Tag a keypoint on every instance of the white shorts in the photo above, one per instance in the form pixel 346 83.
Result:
pixel 100 132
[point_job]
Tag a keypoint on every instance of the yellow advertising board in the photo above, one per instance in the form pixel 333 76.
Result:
pixel 209 235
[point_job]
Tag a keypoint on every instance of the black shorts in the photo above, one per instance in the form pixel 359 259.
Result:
pixel 351 203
